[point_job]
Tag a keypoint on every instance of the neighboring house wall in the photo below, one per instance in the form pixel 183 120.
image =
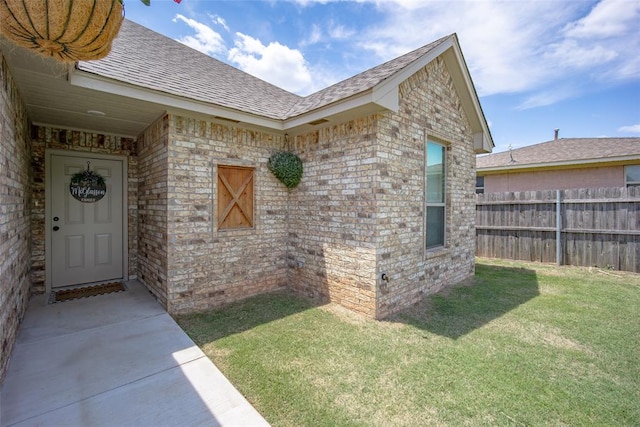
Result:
pixel 332 217
pixel 152 208
pixel 208 267
pixel 43 138
pixel 15 195
pixel 429 105
pixel 611 176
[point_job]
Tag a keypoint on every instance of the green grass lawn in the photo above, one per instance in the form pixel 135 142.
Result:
pixel 521 344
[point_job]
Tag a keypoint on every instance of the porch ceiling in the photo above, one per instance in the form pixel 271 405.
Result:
pixel 51 100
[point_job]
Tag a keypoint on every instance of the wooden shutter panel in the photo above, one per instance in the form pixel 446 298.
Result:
pixel 235 197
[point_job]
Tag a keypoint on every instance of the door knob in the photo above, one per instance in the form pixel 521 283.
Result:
pixel 55 218
pixel 56 228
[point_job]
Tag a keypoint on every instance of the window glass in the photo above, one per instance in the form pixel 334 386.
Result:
pixel 632 175
pixel 435 194
pixel 435 226
pixel 479 184
pixel 435 173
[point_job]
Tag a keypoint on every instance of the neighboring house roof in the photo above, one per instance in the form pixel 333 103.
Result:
pixel 562 152
pixel 183 78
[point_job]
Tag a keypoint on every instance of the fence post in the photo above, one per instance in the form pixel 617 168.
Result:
pixel 558 229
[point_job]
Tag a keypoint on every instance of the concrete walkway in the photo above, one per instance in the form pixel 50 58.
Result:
pixel 114 360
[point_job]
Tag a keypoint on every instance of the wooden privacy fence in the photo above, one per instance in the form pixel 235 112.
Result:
pixel 584 227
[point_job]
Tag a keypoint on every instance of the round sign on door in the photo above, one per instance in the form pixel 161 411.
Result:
pixel 87 186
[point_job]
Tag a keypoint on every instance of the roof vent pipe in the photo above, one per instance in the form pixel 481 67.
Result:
pixel 556 131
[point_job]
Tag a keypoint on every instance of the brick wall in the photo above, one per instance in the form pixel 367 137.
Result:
pixel 333 215
pixel 152 208
pixel 15 194
pixel 359 210
pixel 429 105
pixel 207 267
pixel 43 138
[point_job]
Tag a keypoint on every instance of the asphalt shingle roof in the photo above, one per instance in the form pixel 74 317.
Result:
pixel 360 82
pixel 563 150
pixel 142 57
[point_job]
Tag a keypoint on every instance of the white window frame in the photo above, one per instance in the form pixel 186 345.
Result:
pixel 443 204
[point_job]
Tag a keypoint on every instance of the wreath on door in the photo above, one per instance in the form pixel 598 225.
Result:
pixel 87 186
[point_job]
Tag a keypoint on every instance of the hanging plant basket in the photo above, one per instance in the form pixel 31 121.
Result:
pixel 287 167
pixel 67 30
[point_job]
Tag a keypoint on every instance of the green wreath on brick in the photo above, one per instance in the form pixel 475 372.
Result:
pixel 287 167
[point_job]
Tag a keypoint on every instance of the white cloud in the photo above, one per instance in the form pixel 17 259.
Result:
pixel 544 51
pixel 314 37
pixel 533 48
pixel 219 21
pixel 274 63
pixel 543 98
pixel 630 129
pixel 206 40
pixel 609 18
pixel 337 31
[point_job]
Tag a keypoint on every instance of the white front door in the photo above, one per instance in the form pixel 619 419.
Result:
pixel 86 237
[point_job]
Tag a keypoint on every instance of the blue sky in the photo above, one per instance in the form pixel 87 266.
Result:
pixel 536 65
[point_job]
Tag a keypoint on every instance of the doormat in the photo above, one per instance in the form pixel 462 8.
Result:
pixel 86 291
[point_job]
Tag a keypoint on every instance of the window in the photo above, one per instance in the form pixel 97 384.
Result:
pixel 235 197
pixel 479 184
pixel 632 176
pixel 435 197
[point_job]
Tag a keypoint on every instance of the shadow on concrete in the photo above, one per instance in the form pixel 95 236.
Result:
pixel 457 311
pixel 116 359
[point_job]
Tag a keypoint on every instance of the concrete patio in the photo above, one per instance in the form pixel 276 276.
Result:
pixel 114 360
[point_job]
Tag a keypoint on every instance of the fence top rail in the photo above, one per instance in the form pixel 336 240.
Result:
pixel 575 195
pixel 515 202
pixel 508 228
pixel 552 201
pixel 620 200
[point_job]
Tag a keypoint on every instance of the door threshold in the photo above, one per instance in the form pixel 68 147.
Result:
pixel 86 290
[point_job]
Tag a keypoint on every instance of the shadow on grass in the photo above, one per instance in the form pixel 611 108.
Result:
pixel 243 315
pixel 457 311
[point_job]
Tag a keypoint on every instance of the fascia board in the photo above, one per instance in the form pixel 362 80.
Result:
pixel 481 143
pixel 606 161
pixel 91 81
pixel 392 83
pixel 468 96
pixel 384 94
pixel 358 101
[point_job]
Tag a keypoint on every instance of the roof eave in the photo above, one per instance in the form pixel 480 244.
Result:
pixel 457 66
pixel 171 102
pixel 450 51
pixel 385 95
pixel 369 101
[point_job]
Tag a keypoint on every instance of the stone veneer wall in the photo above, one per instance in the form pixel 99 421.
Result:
pixel 152 208
pixel 428 104
pixel 207 267
pixel 15 194
pixel 333 215
pixel 43 138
